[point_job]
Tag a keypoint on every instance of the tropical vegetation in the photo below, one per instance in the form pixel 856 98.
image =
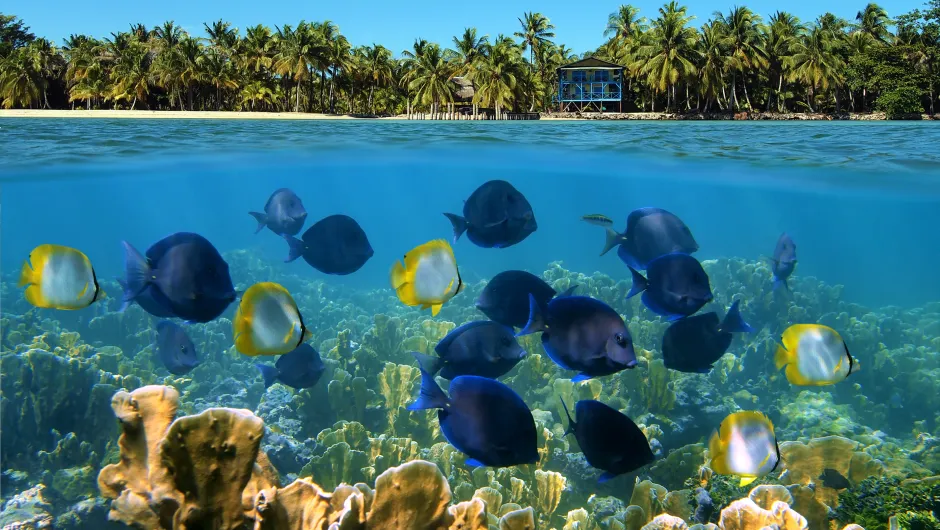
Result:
pixel 734 61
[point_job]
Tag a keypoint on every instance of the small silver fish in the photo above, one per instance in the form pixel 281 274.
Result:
pixel 597 219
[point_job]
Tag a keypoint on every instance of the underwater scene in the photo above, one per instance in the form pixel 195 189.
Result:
pixel 473 325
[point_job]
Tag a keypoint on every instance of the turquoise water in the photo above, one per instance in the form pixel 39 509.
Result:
pixel 860 199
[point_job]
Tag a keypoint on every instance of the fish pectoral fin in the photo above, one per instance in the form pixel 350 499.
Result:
pixel 435 309
pixel 83 291
pixel 497 223
pixel 746 480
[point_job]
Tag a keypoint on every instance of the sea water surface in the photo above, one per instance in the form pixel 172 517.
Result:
pixel 861 200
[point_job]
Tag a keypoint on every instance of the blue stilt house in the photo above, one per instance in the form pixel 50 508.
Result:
pixel 590 84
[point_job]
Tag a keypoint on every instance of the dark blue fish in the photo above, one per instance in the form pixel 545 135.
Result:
pixel 146 301
pixel 496 215
pixel 483 348
pixel 650 233
pixel 284 213
pixel 482 418
pixel 184 274
pixel 676 286
pixel 301 368
pixel 334 245
pixel 784 261
pixel 175 348
pixel 505 299
pixel 609 439
pixel 693 344
pixel 582 334
pixel 833 479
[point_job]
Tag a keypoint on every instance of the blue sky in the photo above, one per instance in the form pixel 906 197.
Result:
pixel 393 24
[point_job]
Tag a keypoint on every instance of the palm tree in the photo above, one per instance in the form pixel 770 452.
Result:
pixel 378 63
pixel 131 75
pixel 219 71
pixel 222 36
pixel 495 76
pixel 668 56
pixel 711 63
pixel 873 21
pixel 816 63
pixel 536 32
pixel 625 24
pixel 467 49
pixel 84 74
pixel 431 78
pixel 258 46
pixel 298 51
pixel 779 36
pixel 742 40
pixel 21 80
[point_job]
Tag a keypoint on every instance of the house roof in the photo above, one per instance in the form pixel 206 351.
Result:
pixel 464 88
pixel 591 62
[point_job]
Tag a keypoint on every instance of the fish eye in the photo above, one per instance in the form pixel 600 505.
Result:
pixel 621 340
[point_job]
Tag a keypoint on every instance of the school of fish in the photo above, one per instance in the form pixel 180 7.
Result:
pixel 183 276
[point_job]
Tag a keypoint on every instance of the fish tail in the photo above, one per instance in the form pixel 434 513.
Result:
pixel 780 282
pixel 570 429
pixel 639 283
pixel 536 321
pixel 568 292
pixel 746 480
pixel 460 224
pixel 431 396
pixel 781 357
pixel 734 322
pixel 613 239
pixel 262 220
pixel 715 454
pixel 295 248
pixel 268 373
pixel 137 274
pixel 27 274
pixel 428 363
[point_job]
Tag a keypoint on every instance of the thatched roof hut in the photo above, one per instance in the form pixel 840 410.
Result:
pixel 464 91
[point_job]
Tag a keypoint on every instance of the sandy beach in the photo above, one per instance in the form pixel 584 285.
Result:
pixel 177 115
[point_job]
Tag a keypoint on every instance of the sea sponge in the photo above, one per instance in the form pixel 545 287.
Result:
pixel 666 522
pixel 413 495
pixel 549 485
pixel 806 462
pixel 468 515
pixel 518 520
pixel 766 495
pixel 650 498
pixel 578 519
pixel 745 514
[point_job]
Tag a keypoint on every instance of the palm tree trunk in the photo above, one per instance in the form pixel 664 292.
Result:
pixel 332 97
pixel 781 101
pixel 134 103
pixel 371 91
pixel 297 102
pixel 322 86
pixel 747 98
pixel 734 90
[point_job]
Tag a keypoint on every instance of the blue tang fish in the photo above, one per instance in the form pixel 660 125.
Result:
pixel 301 368
pixel 693 344
pixel 185 275
pixel 146 301
pixel 334 245
pixel 783 261
pixel 483 348
pixel 609 439
pixel 284 213
pixel 496 215
pixel 676 286
pixel 582 334
pixel 482 418
pixel 650 233
pixel 175 348
pixel 505 299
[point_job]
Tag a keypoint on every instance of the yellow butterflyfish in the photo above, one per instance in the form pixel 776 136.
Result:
pixel 58 277
pixel 815 355
pixel 745 446
pixel 268 321
pixel 428 277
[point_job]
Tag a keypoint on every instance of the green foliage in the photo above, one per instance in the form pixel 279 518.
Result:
pixel 917 521
pixel 900 101
pixel 874 500
pixel 13 34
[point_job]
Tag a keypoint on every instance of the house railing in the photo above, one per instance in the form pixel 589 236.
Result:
pixel 601 91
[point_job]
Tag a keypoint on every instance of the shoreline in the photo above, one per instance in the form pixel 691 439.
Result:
pixel 555 116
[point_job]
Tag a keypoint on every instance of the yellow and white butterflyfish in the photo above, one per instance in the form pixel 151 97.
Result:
pixel 815 355
pixel 268 321
pixel 744 446
pixel 58 277
pixel 428 277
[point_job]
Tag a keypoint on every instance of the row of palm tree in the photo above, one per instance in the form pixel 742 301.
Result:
pixel 734 61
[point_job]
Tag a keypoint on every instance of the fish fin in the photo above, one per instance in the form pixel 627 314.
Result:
pixel 781 357
pixel 745 481
pixel 398 276
pixel 580 378
pixel 536 321
pixel 568 292
pixel 716 453
pixel 613 239
pixel 435 309
pixel 431 396
pixel 571 422
pixel 606 476
pixel 473 462
pixel 733 322
pixel 459 223
pixel 778 283
pixel 137 273
pixel 639 283
pixel 262 220
pixel 296 248
pixel 269 373
pixel 428 363
pixel 27 274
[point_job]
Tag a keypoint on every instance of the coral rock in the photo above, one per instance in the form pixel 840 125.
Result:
pixel 666 522
pixel 518 520
pixel 413 495
pixel 469 515
pixel 766 495
pixel 745 514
